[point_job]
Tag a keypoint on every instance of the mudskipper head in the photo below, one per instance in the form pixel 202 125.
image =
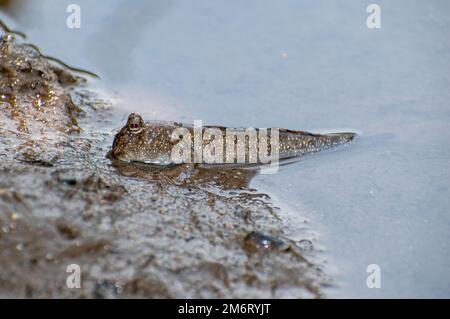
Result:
pixel 135 123
pixel 127 142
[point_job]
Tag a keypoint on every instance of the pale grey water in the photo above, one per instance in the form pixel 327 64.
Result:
pixel 310 65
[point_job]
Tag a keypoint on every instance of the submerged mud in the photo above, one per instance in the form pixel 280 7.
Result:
pixel 135 230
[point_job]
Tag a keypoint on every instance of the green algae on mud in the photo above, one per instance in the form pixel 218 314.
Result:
pixel 135 231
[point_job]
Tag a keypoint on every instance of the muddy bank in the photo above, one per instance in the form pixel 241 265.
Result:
pixel 135 230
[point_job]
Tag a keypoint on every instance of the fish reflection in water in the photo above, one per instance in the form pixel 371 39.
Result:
pixel 187 175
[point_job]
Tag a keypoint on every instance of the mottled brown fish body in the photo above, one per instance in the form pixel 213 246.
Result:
pixel 154 141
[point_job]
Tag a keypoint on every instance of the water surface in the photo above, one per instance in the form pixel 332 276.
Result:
pixel 311 65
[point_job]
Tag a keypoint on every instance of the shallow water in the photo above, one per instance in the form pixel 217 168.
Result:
pixel 310 65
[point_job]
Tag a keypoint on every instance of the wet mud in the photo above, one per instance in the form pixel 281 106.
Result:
pixel 135 230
